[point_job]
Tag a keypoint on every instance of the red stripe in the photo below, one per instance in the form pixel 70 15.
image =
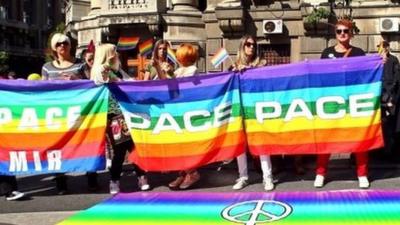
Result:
pixel 68 152
pixel 318 148
pixel 187 162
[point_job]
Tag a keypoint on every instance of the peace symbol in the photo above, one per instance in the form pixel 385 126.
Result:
pixel 256 212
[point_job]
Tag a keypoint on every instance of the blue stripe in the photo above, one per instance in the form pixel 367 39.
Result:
pixel 178 109
pixel 86 164
pixel 265 84
pixel 79 96
pixel 310 94
pixel 175 95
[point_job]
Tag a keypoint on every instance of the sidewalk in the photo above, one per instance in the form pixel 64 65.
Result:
pixel 35 218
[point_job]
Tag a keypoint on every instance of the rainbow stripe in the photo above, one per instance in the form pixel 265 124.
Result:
pixel 322 208
pixel 177 125
pixel 146 47
pixel 39 117
pixel 127 43
pixel 171 56
pixel 279 87
pixel 219 57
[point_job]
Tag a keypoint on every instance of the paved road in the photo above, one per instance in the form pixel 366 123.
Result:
pixel 44 207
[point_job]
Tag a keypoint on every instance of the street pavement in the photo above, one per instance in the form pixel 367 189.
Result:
pixel 44 207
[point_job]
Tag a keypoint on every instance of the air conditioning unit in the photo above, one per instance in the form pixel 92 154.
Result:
pixel 389 24
pixel 272 26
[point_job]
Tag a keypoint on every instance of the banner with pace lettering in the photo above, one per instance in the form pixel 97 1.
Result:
pixel 54 126
pixel 313 107
pixel 183 123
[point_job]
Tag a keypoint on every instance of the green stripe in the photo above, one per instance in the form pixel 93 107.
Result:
pixel 330 107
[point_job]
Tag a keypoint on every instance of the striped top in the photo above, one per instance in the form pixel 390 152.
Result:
pixel 51 72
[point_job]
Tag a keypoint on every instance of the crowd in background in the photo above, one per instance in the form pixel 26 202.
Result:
pixel 102 65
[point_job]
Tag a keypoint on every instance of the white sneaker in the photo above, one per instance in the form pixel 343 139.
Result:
pixel 268 185
pixel 319 181
pixel 143 183
pixel 114 187
pixel 15 195
pixel 363 182
pixel 241 183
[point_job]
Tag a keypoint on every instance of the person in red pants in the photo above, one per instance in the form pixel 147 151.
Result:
pixel 343 48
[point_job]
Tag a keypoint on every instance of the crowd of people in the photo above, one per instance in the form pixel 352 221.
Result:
pixel 102 65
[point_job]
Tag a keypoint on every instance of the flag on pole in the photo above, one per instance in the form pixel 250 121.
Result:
pixel 171 55
pixel 146 47
pixel 220 56
pixel 127 43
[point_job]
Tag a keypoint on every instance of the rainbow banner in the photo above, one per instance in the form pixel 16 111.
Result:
pixel 219 57
pixel 53 126
pixel 146 47
pixel 171 56
pixel 127 43
pixel 183 123
pixel 313 107
pixel 307 208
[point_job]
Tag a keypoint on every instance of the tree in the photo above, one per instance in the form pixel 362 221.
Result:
pixel 3 62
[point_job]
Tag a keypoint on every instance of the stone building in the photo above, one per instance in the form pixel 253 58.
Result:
pixel 25 26
pixel 282 28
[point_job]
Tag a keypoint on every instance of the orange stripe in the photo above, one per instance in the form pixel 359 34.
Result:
pixel 41 140
pixel 189 148
pixel 311 136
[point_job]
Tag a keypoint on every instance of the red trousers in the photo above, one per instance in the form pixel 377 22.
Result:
pixel 361 160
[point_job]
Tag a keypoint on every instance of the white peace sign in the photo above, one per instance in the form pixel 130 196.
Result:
pixel 257 209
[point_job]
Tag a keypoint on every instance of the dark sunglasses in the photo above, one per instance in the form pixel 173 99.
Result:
pixel 249 44
pixel 344 31
pixel 65 43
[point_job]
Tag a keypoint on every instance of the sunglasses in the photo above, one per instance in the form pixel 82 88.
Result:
pixel 65 43
pixel 249 44
pixel 344 31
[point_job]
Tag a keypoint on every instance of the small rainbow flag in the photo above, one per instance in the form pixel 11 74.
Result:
pixel 127 43
pixel 175 127
pixel 280 208
pixel 146 47
pixel 52 126
pixel 314 107
pixel 171 55
pixel 220 56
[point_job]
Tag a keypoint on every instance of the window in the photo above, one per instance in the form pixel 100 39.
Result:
pixel 275 54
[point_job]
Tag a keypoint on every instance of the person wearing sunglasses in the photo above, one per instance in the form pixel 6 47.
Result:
pixel 342 49
pixel 64 66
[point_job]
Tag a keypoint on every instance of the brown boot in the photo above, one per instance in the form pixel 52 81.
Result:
pixel 178 181
pixel 190 179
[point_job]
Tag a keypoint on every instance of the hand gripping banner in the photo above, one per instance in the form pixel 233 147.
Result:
pixel 183 123
pixel 55 126
pixel 313 107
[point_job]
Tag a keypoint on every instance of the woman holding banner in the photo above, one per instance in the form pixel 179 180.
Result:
pixel 107 68
pixel 247 58
pixel 344 33
pixel 159 67
pixel 186 56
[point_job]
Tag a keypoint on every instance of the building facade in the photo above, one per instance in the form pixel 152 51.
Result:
pixel 283 28
pixel 25 26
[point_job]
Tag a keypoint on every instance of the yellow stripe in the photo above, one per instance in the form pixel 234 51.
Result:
pixel 92 121
pixel 278 125
pixel 170 137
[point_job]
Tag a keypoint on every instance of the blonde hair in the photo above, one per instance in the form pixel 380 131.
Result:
pixel 103 53
pixel 241 56
pixel 186 54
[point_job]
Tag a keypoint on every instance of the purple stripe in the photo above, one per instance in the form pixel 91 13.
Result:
pixel 176 84
pixel 42 86
pixel 315 67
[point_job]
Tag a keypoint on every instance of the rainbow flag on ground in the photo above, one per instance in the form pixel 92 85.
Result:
pixel 127 43
pixel 183 123
pixel 54 126
pixel 321 106
pixel 146 47
pixel 308 208
pixel 220 56
pixel 171 56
